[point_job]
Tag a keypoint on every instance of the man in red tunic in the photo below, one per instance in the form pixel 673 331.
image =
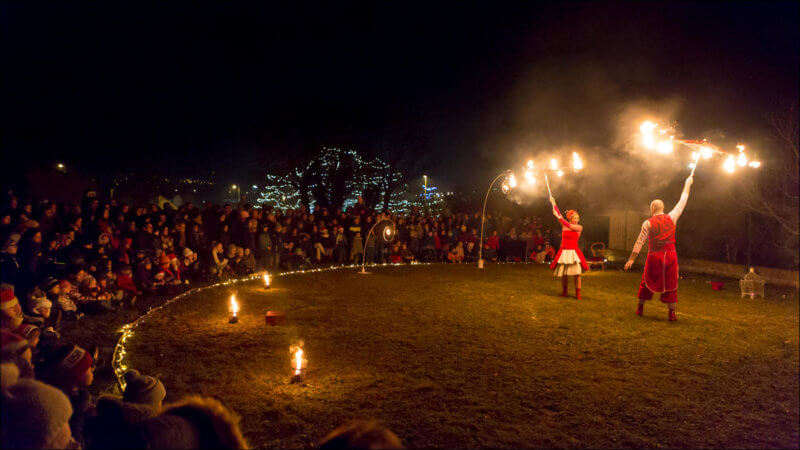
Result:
pixel 661 268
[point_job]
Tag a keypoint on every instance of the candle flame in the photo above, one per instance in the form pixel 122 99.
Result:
pixel 234 305
pixel 297 361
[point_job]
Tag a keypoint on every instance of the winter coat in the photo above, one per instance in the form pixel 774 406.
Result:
pixel 193 422
pixel 115 424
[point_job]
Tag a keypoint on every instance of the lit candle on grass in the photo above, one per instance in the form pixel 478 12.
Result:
pixel 267 280
pixel 298 364
pixel 234 309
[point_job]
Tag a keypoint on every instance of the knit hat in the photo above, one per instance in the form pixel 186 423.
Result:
pixel 35 303
pixel 12 342
pixel 67 364
pixel 143 389
pixel 28 331
pixel 48 283
pixel 33 413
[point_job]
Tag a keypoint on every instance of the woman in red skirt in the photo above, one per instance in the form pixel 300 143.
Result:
pixel 569 260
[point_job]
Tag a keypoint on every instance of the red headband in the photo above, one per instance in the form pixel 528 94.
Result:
pixel 571 213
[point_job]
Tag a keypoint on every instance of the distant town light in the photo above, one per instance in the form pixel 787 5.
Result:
pixel 60 166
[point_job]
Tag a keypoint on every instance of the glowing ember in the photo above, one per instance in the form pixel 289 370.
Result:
pixel 577 164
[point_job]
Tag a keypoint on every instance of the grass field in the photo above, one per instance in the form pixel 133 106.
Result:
pixel 450 356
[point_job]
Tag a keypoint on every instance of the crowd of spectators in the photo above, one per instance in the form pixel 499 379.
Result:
pixel 61 262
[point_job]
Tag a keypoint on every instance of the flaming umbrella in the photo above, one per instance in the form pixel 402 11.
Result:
pixel 662 140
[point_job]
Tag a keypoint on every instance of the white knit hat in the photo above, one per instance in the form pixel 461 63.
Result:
pixel 33 413
pixel 35 303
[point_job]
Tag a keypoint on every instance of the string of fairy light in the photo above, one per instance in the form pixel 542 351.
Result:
pixel 120 362
pixel 374 174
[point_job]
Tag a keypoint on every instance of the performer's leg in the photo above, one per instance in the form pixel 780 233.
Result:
pixel 564 284
pixel 644 295
pixel 671 299
pixel 578 287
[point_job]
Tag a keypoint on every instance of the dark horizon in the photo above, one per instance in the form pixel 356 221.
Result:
pixel 233 88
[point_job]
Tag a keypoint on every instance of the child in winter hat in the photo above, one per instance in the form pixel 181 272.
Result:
pixel 13 343
pixel 10 310
pixel 143 389
pixel 69 367
pixel 34 414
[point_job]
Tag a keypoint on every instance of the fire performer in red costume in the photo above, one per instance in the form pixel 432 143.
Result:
pixel 569 260
pixel 661 268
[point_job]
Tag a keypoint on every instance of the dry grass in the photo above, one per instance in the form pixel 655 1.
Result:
pixel 449 356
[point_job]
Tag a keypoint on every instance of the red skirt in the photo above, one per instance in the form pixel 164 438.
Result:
pixel 661 271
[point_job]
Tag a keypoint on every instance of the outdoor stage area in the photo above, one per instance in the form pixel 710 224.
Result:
pixel 452 356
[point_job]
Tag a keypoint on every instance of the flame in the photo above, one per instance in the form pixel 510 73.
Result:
pixel 560 173
pixel 530 164
pixel 297 361
pixel 706 152
pixel 529 176
pixel 729 165
pixel 266 279
pixel 664 147
pixel 755 164
pixel 741 160
pixel 512 181
pixel 553 164
pixel 577 164
pixel 648 138
pixel 234 305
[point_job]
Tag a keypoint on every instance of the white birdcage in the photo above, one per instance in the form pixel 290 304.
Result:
pixel 752 284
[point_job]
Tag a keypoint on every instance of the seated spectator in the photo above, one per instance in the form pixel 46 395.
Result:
pixel 456 254
pixel 10 309
pixel 366 434
pixel 34 415
pixel 193 422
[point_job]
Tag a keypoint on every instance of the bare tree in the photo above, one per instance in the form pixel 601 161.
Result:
pixel 776 192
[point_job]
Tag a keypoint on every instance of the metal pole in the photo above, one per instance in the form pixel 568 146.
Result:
pixel 364 253
pixel 749 237
pixel 483 217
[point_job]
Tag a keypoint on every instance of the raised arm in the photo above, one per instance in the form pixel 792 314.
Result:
pixel 678 209
pixel 561 220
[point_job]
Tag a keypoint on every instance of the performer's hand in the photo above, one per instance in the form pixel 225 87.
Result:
pixel 552 200
pixel 628 264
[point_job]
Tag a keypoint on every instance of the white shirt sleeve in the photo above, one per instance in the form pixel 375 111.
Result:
pixel 637 247
pixel 678 209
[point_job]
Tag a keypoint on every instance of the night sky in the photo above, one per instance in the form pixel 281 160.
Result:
pixel 233 88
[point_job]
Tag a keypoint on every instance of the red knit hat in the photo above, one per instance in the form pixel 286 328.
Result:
pixel 68 364
pixel 28 331
pixel 12 342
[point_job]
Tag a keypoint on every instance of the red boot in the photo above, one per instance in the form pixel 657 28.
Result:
pixel 673 315
pixel 640 309
pixel 578 293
